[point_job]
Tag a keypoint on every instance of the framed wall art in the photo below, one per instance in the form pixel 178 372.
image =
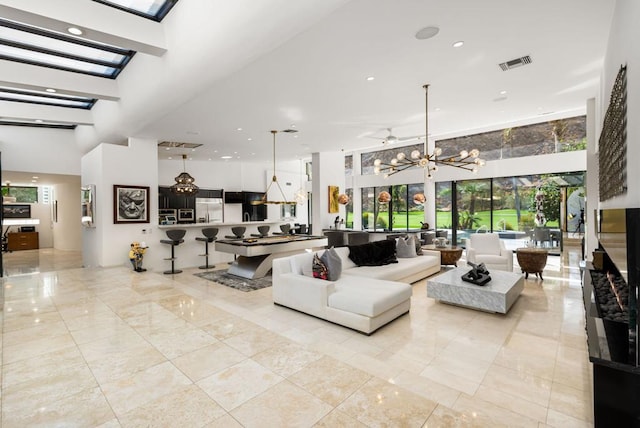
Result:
pixel 333 199
pixel 130 204
pixel 16 211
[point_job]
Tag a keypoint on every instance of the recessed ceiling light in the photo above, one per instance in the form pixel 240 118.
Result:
pixel 235 153
pixel 370 78
pixel 167 148
pixel 193 150
pixel 238 129
pixel 503 92
pixel 51 90
pixel 427 32
pixel 209 158
pixel 249 139
pixel 215 151
pixel 169 158
pixel 38 121
pixel 293 125
pixel 252 154
pixel 295 136
pixel 458 44
pixel 437 108
pixel 35 177
pixel 75 31
pixel 226 157
pixel 34 181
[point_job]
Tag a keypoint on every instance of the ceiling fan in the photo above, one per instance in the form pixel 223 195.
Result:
pixel 392 139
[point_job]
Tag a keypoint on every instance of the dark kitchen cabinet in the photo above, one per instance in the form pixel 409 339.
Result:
pixel 250 211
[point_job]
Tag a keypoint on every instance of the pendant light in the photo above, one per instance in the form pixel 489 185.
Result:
pixel 184 182
pixel 265 197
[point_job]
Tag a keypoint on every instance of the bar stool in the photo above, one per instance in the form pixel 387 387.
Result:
pixel 238 232
pixel 263 231
pixel 285 228
pixel 210 234
pixel 175 238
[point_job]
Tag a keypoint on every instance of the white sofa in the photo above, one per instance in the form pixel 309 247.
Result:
pixel 364 298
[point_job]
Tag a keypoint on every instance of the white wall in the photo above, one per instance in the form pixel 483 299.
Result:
pixel 328 170
pixel 622 50
pixel 136 164
pixel 39 150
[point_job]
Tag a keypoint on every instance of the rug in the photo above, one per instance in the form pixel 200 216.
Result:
pixel 233 281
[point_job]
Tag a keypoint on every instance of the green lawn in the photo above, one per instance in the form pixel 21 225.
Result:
pixel 503 219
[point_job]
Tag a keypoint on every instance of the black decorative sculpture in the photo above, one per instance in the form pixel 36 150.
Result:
pixel 478 275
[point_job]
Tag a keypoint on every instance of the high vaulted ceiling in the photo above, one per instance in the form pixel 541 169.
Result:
pixel 224 73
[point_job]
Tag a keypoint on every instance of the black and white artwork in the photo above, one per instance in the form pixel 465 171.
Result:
pixel 131 204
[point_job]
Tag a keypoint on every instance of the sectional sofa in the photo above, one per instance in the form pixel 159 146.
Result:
pixel 364 298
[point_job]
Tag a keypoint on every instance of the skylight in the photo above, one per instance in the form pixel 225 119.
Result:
pixel 33 45
pixel 42 97
pixel 50 125
pixel 151 9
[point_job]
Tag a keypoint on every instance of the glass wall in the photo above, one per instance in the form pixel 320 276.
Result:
pixel 348 165
pixel 473 202
pixel 349 209
pixel 555 136
pixel 443 206
pixel 367 159
pixel 399 207
pixel 507 204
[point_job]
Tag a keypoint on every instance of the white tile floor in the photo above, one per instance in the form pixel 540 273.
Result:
pixel 111 347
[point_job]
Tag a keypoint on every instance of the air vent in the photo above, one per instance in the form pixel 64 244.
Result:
pixel 177 144
pixel 290 131
pixel 514 63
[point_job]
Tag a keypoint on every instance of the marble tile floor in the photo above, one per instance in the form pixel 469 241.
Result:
pixel 115 348
pixel 43 260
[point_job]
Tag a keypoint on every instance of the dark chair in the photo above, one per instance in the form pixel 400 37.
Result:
pixel 175 238
pixel 238 232
pixel 303 229
pixel 541 235
pixel 262 232
pixel 285 228
pixel 357 238
pixel 335 238
pixel 210 235
pixel 426 238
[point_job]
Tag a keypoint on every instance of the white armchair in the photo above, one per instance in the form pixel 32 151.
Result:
pixel 487 248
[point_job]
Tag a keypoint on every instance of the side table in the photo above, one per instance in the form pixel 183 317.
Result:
pixel 532 260
pixel 449 255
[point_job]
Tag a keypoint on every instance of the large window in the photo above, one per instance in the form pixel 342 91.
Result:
pixel 507 204
pixel 541 138
pixel 444 206
pixel 23 194
pixel 399 207
pixel 367 159
pixel 348 165
pixel 349 209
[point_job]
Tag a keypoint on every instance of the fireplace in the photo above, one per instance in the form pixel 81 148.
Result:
pixel 610 288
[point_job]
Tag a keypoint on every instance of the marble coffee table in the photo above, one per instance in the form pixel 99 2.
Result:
pixel 498 295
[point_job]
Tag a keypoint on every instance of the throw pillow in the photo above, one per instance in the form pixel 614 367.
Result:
pixel 332 261
pixel 319 268
pixel 416 241
pixel 376 253
pixel 405 248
